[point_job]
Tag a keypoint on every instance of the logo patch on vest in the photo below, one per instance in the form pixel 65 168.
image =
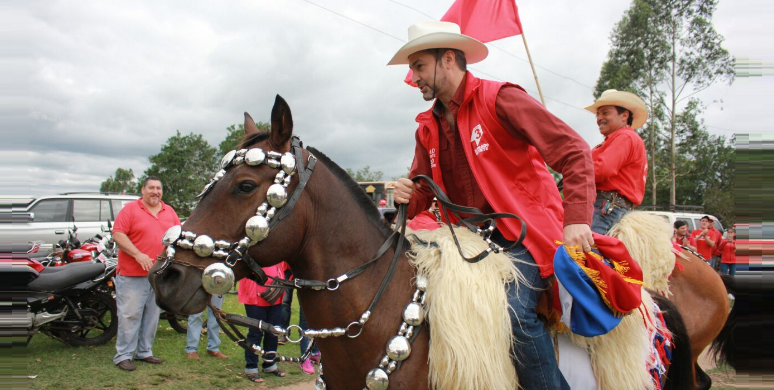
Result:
pixel 475 136
pixel 432 157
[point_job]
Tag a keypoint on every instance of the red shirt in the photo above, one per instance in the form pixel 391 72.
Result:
pixel 679 241
pixel 728 250
pixel 250 292
pixel 499 166
pixel 704 249
pixel 525 119
pixel 621 164
pixel 144 231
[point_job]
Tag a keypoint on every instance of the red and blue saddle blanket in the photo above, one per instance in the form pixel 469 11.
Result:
pixel 595 289
pixel 661 349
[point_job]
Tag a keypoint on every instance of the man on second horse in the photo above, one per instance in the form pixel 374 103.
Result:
pixel 486 144
pixel 620 161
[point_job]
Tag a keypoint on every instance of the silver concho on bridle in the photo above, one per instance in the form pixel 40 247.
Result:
pixel 218 278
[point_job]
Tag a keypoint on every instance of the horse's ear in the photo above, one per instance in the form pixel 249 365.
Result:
pixel 251 128
pixel 281 125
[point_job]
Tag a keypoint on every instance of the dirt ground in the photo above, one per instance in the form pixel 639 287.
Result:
pixel 298 386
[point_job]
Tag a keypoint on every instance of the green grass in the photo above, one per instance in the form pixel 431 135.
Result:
pixel 57 366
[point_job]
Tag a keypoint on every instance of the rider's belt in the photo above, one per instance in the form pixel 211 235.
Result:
pixel 617 199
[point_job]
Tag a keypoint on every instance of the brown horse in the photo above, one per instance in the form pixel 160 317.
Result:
pixel 333 228
pixel 700 296
pixel 331 207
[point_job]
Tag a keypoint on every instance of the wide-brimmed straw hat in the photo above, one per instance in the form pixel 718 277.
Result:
pixel 627 100
pixel 439 35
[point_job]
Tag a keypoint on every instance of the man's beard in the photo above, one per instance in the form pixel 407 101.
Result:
pixel 432 90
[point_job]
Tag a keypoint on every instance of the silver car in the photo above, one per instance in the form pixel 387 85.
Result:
pixel 49 218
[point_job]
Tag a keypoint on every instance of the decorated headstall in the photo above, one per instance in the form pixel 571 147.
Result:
pixel 218 278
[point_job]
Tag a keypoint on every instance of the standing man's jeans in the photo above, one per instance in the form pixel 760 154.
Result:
pixel 213 329
pixel 715 263
pixel 138 318
pixel 272 315
pixel 604 222
pixel 304 344
pixel 536 362
pixel 728 268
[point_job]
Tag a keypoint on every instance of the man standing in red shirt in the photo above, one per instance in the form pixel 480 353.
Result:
pixel 138 231
pixel 681 236
pixel 727 249
pixel 486 144
pixel 706 237
pixel 620 161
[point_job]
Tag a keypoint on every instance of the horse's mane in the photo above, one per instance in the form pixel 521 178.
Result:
pixel 360 197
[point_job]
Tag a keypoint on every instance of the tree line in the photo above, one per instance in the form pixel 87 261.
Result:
pixel 186 163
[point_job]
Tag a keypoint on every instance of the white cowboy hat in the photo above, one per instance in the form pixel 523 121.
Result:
pixel 627 100
pixel 439 35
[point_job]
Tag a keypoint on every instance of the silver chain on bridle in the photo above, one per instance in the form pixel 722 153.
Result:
pixel 218 278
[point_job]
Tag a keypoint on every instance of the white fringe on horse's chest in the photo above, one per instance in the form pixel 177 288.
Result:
pixel 468 312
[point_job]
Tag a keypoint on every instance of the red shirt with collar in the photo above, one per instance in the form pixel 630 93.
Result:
pixel 509 136
pixel 144 231
pixel 621 164
pixel 728 250
pixel 704 249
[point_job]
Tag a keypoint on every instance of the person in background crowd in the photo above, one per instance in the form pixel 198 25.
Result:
pixel 137 231
pixel 706 237
pixel 213 332
pixel 681 235
pixel 620 161
pixel 487 144
pixel 728 253
pixel 265 304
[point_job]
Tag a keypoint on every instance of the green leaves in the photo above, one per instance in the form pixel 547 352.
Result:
pixel 185 165
pixel 365 174
pixel 122 182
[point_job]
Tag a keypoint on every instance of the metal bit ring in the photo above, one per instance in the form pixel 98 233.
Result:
pixel 357 324
pixel 300 332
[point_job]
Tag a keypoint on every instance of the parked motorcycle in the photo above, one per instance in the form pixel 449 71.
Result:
pixel 98 248
pixel 70 303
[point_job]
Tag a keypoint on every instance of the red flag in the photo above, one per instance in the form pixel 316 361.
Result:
pixel 485 20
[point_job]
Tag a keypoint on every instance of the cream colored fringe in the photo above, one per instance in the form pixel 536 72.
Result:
pixel 647 237
pixel 468 312
pixel 619 358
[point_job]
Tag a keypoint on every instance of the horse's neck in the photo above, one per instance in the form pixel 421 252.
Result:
pixel 336 251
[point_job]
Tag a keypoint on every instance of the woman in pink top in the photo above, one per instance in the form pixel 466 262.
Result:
pixel 265 304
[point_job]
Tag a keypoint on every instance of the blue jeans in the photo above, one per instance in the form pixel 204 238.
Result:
pixel 213 329
pixel 602 223
pixel 726 268
pixel 272 315
pixel 715 261
pixel 138 318
pixel 536 362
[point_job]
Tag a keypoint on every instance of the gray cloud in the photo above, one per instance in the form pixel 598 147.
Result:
pixel 98 85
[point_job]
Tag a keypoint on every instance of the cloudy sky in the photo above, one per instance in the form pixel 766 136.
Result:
pixel 90 86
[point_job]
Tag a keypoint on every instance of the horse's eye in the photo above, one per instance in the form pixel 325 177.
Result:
pixel 247 187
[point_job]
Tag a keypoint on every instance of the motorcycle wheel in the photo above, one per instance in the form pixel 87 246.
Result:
pixel 100 320
pixel 178 322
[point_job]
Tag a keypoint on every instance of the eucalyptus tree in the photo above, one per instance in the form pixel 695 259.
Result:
pixel 121 182
pixel 667 51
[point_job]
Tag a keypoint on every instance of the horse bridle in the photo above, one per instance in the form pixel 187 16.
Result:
pixel 218 277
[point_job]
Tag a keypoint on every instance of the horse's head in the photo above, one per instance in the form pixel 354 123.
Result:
pixel 236 211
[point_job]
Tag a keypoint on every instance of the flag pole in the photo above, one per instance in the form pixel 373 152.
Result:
pixel 540 91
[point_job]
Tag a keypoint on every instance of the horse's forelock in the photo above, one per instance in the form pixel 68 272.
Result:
pixel 253 139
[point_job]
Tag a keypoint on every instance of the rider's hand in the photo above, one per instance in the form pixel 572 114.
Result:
pixel 404 189
pixel 145 261
pixel 579 235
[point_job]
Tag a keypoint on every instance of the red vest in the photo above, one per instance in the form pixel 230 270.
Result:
pixel 510 172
